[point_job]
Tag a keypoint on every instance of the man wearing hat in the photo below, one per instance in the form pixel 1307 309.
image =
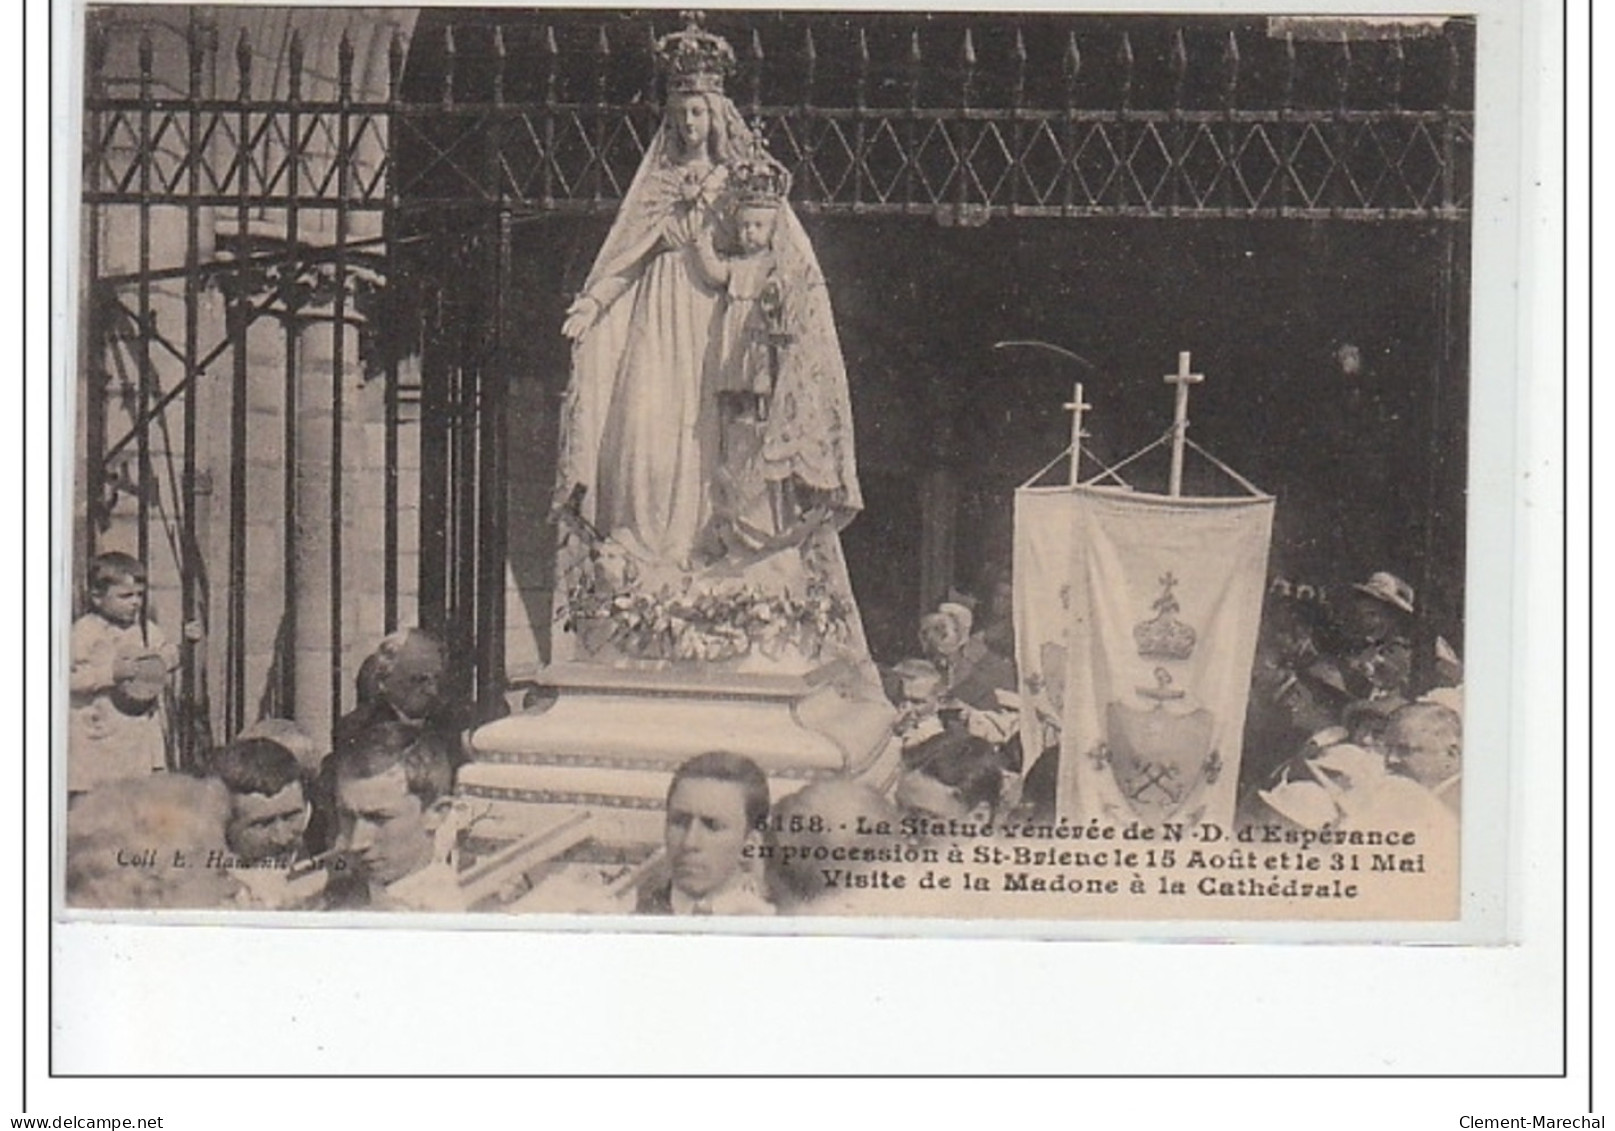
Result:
pixel 974 673
pixel 1382 609
pixel 1380 623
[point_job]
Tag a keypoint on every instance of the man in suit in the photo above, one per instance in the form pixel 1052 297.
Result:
pixel 401 682
pixel 393 804
pixel 408 673
pixel 717 814
pixel 268 815
pixel 268 811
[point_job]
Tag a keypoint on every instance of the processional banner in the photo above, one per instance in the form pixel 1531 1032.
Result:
pixel 1153 603
pixel 1042 565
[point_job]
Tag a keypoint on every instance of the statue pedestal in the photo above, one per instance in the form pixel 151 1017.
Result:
pixel 606 740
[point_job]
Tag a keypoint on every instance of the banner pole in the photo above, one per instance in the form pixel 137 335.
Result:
pixel 1180 418
pixel 1076 407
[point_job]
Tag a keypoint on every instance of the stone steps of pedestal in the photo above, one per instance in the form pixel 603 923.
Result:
pixel 814 731
pixel 609 740
pixel 511 799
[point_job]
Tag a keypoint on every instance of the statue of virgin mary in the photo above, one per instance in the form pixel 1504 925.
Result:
pixel 664 549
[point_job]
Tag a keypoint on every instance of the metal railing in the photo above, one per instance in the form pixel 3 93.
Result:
pixel 1238 125
pixel 961 118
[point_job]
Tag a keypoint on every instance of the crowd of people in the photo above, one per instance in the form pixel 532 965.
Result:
pixel 822 849
pixel 1345 718
pixel 1344 725
pixel 1338 736
pixel 707 283
pixel 276 818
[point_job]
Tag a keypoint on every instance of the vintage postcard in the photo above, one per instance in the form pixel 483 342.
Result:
pixel 813 468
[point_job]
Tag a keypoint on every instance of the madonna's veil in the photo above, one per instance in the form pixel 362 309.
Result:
pixel 810 430
pixel 810 424
pixel 809 433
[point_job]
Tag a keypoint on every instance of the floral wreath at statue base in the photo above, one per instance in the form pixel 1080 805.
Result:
pixel 616 602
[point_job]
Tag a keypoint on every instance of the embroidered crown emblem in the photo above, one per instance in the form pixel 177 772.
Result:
pixel 694 60
pixel 1164 636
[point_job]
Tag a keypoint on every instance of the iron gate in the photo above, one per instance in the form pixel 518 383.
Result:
pixel 366 223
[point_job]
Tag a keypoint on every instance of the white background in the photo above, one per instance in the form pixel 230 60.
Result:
pixel 213 1000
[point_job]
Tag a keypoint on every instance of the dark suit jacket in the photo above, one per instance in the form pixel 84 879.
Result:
pixel 447 721
pixel 655 899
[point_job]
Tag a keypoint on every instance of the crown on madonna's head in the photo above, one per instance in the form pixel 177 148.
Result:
pixel 694 60
pixel 757 179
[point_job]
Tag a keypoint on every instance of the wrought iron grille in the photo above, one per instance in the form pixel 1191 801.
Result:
pixel 1238 126
pixel 383 212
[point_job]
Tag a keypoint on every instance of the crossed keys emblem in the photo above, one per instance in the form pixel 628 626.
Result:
pixel 1158 758
pixel 1155 775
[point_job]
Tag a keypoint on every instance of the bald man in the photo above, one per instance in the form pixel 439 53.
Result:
pixel 819 861
pixel 1424 741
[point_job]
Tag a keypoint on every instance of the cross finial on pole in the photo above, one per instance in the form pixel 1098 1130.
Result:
pixel 1180 418
pixel 1076 406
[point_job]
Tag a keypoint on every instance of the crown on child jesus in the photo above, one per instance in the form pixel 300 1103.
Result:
pixel 694 60
pixel 757 179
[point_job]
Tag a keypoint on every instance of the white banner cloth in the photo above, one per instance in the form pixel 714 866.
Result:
pixel 1160 600
pixel 1042 568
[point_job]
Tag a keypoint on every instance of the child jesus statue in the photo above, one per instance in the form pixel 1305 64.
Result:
pixel 748 507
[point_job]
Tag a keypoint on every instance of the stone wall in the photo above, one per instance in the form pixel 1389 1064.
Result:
pixel 288 519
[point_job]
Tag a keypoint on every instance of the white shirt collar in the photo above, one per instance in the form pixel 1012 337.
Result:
pixel 737 896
